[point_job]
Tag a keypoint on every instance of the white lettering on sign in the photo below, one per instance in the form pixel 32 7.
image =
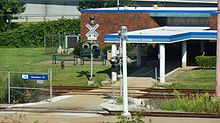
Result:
pixel 36 77
pixel 24 76
pixel 140 40
pixel 92 34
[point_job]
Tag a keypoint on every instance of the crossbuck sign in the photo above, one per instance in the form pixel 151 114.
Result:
pixel 92 34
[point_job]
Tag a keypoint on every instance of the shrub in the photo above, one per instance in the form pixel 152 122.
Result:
pixel 206 61
pixel 78 48
pixel 25 95
pixel 32 34
pixel 137 117
pixel 193 103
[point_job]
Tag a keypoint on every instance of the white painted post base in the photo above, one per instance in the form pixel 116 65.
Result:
pixel 127 114
pixel 114 53
pixel 114 76
pixel 162 63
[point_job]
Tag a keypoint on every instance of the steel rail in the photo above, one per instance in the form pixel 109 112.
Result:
pixel 149 93
pixel 114 113
pixel 169 114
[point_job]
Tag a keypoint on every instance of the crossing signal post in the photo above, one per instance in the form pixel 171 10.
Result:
pixel 91 46
pixel 92 35
pixel 124 75
pixel 114 69
pixel 115 62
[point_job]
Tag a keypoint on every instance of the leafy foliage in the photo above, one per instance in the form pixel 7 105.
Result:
pixel 118 100
pixel 78 48
pixel 206 61
pixel 22 95
pixel 32 34
pixel 135 118
pixel 7 9
pixel 85 4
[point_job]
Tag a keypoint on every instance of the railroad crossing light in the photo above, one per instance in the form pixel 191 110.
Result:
pixel 96 53
pixel 124 32
pixel 85 46
pixel 115 63
pixel 95 46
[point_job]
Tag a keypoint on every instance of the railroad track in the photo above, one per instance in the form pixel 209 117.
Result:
pixel 170 114
pixel 151 93
pixel 90 88
pixel 132 92
pixel 185 91
pixel 170 93
pixel 114 113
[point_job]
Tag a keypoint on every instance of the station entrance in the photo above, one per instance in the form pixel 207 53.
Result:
pixel 178 44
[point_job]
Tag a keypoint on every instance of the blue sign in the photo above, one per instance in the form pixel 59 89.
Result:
pixel 34 77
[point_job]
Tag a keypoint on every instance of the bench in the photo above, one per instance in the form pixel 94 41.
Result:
pixel 87 57
pixel 56 58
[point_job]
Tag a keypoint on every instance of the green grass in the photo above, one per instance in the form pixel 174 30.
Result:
pixel 193 103
pixel 17 58
pixel 25 59
pixel 192 79
pixel 77 74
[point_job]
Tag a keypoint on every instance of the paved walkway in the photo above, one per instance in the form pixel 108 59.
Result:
pixel 76 103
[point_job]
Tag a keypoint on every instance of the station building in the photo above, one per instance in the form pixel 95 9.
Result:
pixel 176 33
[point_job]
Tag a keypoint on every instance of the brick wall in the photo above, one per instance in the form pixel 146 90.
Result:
pixel 213 22
pixel 110 22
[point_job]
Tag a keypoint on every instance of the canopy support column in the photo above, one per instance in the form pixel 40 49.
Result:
pixel 162 63
pixel 184 54
pixel 202 48
pixel 138 55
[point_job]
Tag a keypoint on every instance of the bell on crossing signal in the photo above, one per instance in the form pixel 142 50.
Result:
pixel 92 22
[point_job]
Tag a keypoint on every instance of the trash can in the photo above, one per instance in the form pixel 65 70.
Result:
pixel 109 54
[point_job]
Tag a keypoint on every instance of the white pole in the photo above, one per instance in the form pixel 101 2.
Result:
pixel 66 43
pixel 91 78
pixel 155 72
pixel 125 88
pixel 184 54
pixel 9 87
pixel 118 4
pixel 162 63
pixel 218 53
pixel 202 48
pixel 120 54
pixel 114 73
pixel 51 86
pixel 45 10
pixel 138 55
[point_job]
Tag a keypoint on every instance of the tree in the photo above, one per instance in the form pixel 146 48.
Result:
pixel 85 4
pixel 8 8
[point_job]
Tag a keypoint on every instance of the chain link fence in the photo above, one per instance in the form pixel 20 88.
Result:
pixel 25 87
pixel 59 41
